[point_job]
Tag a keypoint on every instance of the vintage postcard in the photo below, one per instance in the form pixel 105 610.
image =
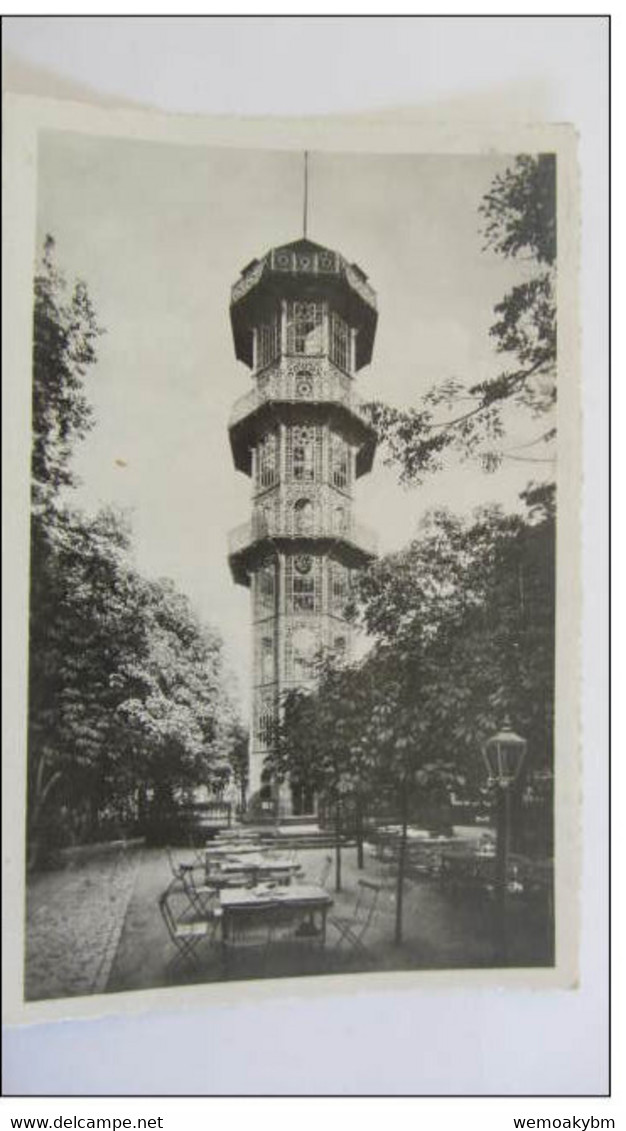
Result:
pixel 293 483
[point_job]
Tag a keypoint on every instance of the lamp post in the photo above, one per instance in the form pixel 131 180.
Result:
pixel 503 754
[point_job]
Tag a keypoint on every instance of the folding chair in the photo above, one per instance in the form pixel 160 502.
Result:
pixel 352 929
pixel 184 874
pixel 185 933
pixel 322 879
pixel 178 869
pixel 203 897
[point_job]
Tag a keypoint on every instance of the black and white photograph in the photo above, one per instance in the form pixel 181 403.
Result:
pixel 293 589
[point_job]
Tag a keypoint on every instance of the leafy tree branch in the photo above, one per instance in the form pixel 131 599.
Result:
pixel 518 216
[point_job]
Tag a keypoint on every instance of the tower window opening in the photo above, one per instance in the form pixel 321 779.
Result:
pixel 266 588
pixel 339 586
pixel 303 585
pixel 304 594
pixel 303 455
pixel 267 659
pixel 263 521
pixel 339 520
pixel 303 516
pixel 265 730
pixel 305 328
pixel 339 343
pixel 340 462
pixel 268 342
pixel 267 466
pixel 265 792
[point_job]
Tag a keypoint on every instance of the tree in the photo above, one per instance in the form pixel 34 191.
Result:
pixel 239 759
pixel 127 690
pixel 318 745
pixel 83 622
pixel 470 609
pixel 65 332
pixel 175 715
pixel 477 597
pixel 464 619
pixel 462 623
pixel 518 214
pixel 519 210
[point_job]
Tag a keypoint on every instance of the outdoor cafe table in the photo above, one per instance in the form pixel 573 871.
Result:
pixel 238 835
pixel 256 866
pixel 293 902
pixel 234 849
pixel 387 842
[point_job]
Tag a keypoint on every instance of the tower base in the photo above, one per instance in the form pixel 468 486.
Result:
pixel 269 800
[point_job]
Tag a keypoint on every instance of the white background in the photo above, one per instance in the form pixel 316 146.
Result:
pixel 437 1043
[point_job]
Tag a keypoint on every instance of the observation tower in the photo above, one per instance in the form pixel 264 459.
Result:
pixel 303 321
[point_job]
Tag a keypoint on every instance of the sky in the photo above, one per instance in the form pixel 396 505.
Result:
pixel 160 232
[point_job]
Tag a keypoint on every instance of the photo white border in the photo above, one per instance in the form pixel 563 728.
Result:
pixel 597 285
pixel 24 119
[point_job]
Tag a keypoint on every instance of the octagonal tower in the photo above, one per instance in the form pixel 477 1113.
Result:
pixel 303 320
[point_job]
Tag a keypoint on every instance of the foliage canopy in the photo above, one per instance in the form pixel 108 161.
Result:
pixel 128 695
pixel 518 216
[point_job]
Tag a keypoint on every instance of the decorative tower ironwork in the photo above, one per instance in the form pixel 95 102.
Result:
pixel 304 321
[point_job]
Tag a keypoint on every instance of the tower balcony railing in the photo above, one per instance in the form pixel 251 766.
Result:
pixel 300 381
pixel 283 526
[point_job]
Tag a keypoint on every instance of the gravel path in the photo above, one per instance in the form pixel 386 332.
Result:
pixel 74 921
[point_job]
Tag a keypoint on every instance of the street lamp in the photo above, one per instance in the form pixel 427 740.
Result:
pixel 503 754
